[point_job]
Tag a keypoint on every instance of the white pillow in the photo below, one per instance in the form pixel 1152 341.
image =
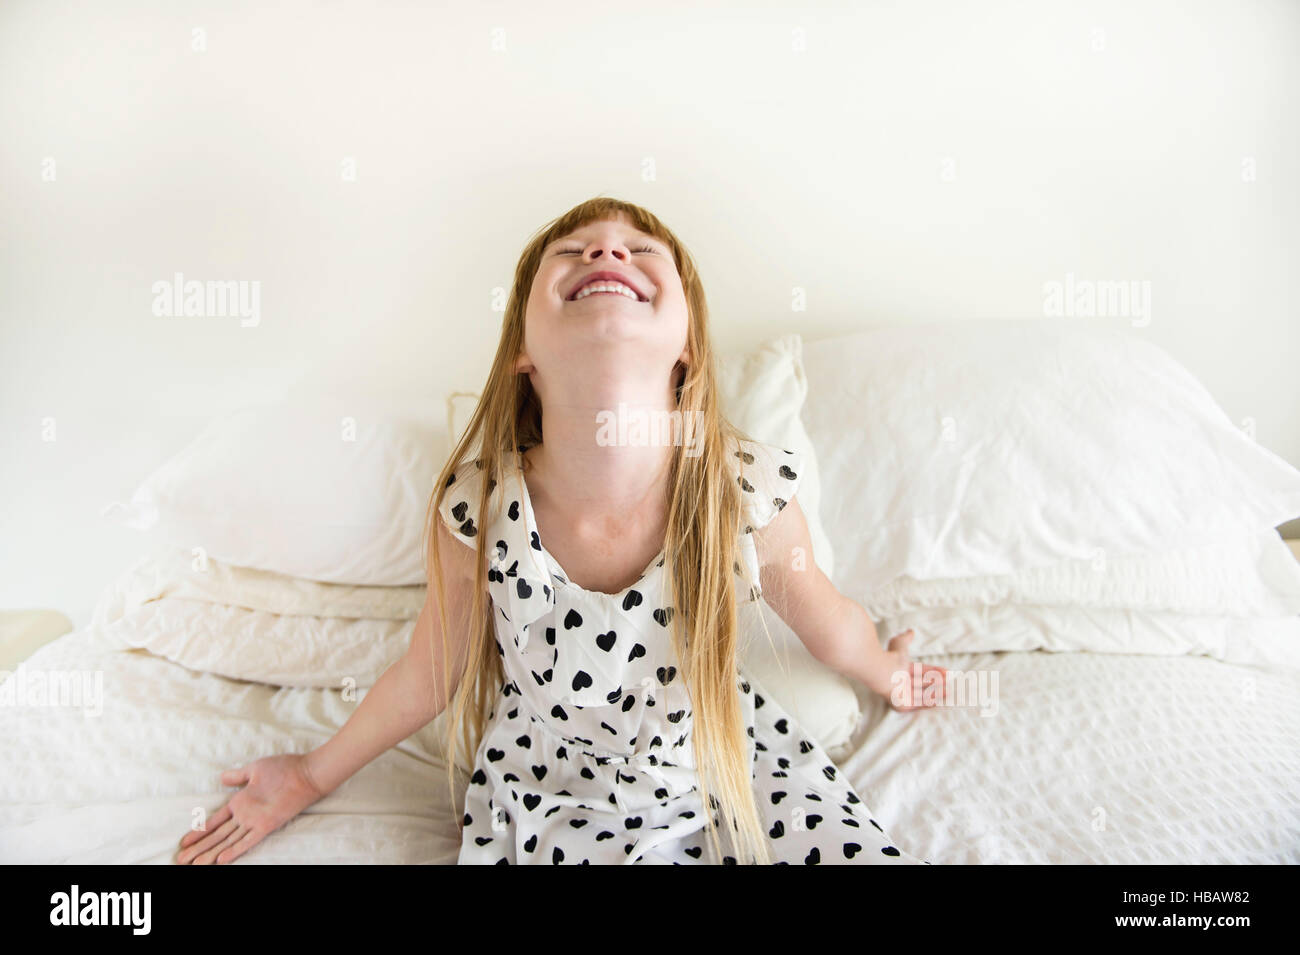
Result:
pixel 324 489
pixel 1262 641
pixel 1238 600
pixel 987 447
pixel 820 700
pixel 255 625
pixel 1252 575
pixel 762 392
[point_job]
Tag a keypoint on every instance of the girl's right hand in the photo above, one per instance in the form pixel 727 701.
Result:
pixel 905 686
pixel 278 788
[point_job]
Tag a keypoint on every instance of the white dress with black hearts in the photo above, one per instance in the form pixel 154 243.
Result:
pixel 587 756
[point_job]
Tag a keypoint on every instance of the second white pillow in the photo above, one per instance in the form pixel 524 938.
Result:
pixel 988 447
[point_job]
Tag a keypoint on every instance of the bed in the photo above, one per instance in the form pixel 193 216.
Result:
pixel 1095 758
pixel 1139 650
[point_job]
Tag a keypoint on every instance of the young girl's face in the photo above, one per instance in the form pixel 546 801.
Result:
pixel 650 323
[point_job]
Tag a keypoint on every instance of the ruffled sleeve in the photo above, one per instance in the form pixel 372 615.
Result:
pixel 769 477
pixel 459 507
pixel 517 577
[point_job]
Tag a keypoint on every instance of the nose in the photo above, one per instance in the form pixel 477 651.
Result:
pixel 610 249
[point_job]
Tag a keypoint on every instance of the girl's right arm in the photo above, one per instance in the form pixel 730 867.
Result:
pixel 406 697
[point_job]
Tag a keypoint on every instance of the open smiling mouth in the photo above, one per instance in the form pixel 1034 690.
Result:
pixel 606 287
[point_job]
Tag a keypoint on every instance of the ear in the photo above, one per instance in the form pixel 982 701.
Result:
pixel 524 364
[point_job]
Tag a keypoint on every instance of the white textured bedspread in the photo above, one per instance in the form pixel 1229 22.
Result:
pixel 1093 758
pixel 1086 758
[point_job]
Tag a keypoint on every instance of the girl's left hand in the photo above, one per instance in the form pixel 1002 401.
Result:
pixel 906 685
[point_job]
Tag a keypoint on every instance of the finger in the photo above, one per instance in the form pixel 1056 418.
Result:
pixel 247 840
pixel 943 676
pixel 195 853
pixel 194 835
pixel 902 696
pixel 934 692
pixel 209 855
pixel 210 838
pixel 236 834
pixel 902 639
pixel 234 777
pixel 913 693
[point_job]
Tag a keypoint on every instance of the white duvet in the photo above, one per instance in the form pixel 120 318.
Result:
pixel 1081 757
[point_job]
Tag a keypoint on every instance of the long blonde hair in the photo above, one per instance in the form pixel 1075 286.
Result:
pixel 701 546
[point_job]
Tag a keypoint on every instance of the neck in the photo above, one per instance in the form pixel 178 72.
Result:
pixel 603 457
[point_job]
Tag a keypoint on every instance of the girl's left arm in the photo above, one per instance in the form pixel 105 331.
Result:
pixel 836 630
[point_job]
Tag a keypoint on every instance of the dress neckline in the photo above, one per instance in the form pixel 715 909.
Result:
pixel 561 575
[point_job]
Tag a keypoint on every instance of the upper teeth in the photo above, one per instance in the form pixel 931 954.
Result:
pixel 595 287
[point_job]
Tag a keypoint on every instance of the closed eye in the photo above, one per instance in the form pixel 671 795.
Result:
pixel 641 249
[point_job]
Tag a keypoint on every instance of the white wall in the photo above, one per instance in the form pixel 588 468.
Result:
pixel 913 162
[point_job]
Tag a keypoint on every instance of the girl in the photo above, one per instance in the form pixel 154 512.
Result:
pixel 581 613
